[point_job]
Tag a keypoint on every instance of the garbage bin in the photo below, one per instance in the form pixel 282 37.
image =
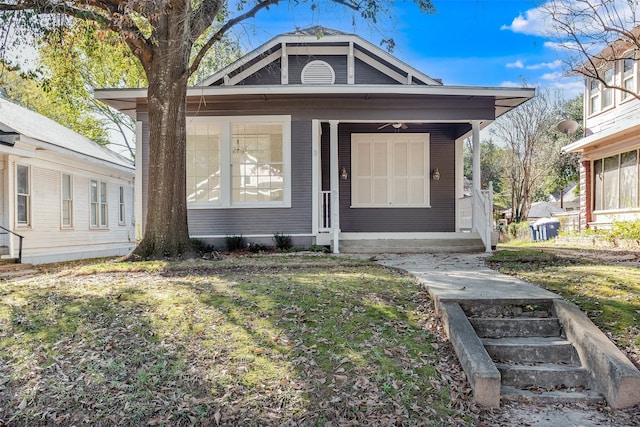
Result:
pixel 534 232
pixel 547 228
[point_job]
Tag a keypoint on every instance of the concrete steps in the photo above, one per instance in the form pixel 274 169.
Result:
pixel 535 360
pixel 9 269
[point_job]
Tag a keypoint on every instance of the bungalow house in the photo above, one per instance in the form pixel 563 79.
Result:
pixel 332 141
pixel 609 177
pixel 63 197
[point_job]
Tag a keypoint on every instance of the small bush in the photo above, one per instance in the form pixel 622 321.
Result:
pixel 256 247
pixel 235 243
pixel 201 246
pixel 626 230
pixel 283 241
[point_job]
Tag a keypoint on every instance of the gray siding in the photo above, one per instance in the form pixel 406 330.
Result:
pixel 366 74
pixel 269 75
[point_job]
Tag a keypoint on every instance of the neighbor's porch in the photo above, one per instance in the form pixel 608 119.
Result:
pixel 397 188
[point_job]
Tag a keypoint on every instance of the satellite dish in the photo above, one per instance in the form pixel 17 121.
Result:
pixel 567 127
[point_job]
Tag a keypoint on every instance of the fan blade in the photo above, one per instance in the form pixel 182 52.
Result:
pixel 404 126
pixel 384 126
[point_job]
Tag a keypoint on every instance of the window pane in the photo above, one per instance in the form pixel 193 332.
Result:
pixel 103 192
pixel 66 212
pixel 611 182
pixel 257 173
pixel 607 99
pixel 597 184
pixel 23 209
pixel 23 179
pixel 203 163
pixel 629 180
pixel 66 187
pixel 94 191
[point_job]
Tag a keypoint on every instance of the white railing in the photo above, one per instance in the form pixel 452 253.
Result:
pixel 483 215
pixel 325 213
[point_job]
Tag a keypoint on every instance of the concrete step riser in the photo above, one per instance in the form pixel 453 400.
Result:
pixel 556 353
pixel 527 376
pixel 516 327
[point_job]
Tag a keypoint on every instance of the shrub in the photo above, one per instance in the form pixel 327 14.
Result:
pixel 256 247
pixel 235 243
pixel 626 230
pixel 283 241
pixel 201 246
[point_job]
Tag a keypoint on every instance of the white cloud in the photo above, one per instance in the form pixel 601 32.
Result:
pixel 534 22
pixel 510 84
pixel 517 64
pixel 569 88
pixel 550 65
pixel 551 76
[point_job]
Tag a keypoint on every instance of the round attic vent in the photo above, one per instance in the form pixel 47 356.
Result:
pixel 318 72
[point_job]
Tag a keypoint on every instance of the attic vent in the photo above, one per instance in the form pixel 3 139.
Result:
pixel 318 72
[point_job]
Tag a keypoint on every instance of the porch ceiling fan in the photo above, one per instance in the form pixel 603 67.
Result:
pixel 395 125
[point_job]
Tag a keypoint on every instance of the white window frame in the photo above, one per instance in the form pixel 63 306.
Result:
pixel 226 148
pixel 594 96
pixel 122 206
pixel 100 205
pixel 27 197
pixel 66 202
pixel 608 92
pixel 392 174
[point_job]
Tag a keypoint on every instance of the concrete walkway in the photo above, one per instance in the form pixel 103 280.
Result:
pixel 456 277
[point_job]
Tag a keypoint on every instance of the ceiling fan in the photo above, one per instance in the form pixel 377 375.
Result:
pixel 395 125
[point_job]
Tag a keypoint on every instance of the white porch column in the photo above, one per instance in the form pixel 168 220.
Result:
pixel 335 183
pixel 315 176
pixel 476 187
pixel 138 184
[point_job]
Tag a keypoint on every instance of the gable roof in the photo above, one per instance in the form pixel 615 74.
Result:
pixel 19 120
pixel 317 41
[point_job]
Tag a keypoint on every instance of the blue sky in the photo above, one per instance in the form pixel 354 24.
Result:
pixel 467 42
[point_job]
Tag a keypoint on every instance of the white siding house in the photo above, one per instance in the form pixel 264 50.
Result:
pixel 67 196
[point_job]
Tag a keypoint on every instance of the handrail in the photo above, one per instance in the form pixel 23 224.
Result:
pixel 482 215
pixel 19 259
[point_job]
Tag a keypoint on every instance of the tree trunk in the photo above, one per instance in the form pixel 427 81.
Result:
pixel 166 233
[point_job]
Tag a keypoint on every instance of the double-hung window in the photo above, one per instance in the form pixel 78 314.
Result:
pixel 594 96
pixel 607 92
pixel 615 182
pixel 67 201
pixel 122 207
pixel 99 207
pixel 23 195
pixel 238 161
pixel 628 77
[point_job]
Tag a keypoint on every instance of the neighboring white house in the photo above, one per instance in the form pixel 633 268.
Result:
pixel 67 196
pixel 610 149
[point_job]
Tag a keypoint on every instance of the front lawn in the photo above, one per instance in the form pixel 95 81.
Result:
pixel 266 340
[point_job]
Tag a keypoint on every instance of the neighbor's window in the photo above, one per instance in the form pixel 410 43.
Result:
pixel 390 170
pixel 615 182
pixel 98 204
pixel 607 92
pixel 23 192
pixel 628 77
pixel 238 161
pixel 67 200
pixel 594 96
pixel 122 208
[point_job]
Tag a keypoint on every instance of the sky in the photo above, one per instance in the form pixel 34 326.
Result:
pixel 466 42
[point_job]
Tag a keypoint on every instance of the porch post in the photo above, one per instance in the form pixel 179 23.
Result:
pixel 335 193
pixel 137 185
pixel 475 129
pixel 315 176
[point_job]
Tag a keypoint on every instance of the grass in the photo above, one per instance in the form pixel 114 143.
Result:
pixel 256 340
pixel 608 292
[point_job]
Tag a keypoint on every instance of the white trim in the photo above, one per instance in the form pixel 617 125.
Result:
pixel 351 66
pixel 225 122
pixel 335 184
pixel 248 236
pixel 499 92
pixel 317 50
pixel 459 183
pixel 408 236
pixel 137 189
pixel 315 175
pixel 284 65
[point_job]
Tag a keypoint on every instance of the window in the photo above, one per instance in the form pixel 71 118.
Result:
pixel 121 206
pixel 615 182
pixel 390 170
pixel 67 200
pixel 628 77
pixel 607 92
pixel 238 161
pixel 594 96
pixel 98 204
pixel 23 187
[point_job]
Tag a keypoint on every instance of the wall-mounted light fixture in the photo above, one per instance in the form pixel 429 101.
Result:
pixel 436 175
pixel 343 173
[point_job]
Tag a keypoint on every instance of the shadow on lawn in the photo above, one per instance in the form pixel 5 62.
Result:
pixel 249 347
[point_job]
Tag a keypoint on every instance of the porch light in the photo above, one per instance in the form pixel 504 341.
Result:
pixel 343 173
pixel 436 175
